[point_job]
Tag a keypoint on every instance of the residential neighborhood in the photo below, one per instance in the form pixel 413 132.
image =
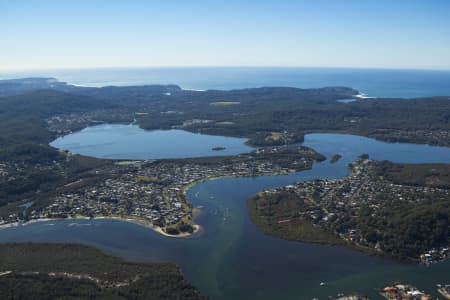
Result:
pixel 338 206
pixel 153 192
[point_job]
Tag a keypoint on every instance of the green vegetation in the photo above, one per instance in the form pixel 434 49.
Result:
pixel 262 115
pixel 267 116
pixel 406 230
pixel 421 226
pixel 284 157
pixel 35 168
pixel 335 158
pixel 276 216
pixel 68 271
pixel 398 210
pixel 261 111
pixel 264 111
pixel 430 175
pixel 181 227
pixel 147 179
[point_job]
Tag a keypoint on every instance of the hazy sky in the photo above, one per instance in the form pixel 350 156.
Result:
pixel 338 33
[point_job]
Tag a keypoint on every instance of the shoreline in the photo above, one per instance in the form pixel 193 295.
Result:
pixel 197 228
pixel 137 221
pixel 142 222
pixel 363 96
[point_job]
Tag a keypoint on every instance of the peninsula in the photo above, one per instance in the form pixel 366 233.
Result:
pixel 398 210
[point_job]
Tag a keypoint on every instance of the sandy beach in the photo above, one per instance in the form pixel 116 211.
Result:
pixel 136 221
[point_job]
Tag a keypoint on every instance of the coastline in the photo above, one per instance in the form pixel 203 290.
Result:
pixel 135 221
pixel 138 221
pixel 142 222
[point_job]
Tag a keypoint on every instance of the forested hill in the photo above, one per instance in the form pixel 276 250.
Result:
pixel 12 87
pixel 45 103
pixel 69 271
pixel 255 113
pixel 23 117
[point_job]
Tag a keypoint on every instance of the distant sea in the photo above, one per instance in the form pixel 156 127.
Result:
pixel 372 82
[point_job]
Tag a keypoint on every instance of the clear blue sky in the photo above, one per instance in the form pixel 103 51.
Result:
pixel 338 33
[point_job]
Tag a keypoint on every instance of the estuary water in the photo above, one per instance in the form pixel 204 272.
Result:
pixel 232 259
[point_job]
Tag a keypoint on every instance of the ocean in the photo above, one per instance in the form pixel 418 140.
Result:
pixel 372 82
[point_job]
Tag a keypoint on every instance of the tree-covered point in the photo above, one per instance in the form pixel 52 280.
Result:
pixel 273 214
pixel 69 271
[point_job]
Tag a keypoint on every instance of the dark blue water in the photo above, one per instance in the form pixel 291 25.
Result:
pixel 373 82
pixel 117 141
pixel 232 259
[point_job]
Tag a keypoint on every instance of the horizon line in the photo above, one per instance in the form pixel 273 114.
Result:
pixel 67 68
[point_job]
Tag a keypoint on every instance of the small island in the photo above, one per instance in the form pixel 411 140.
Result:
pixel 218 148
pixel 335 158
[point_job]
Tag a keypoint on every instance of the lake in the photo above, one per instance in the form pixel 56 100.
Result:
pixel 116 141
pixel 232 259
